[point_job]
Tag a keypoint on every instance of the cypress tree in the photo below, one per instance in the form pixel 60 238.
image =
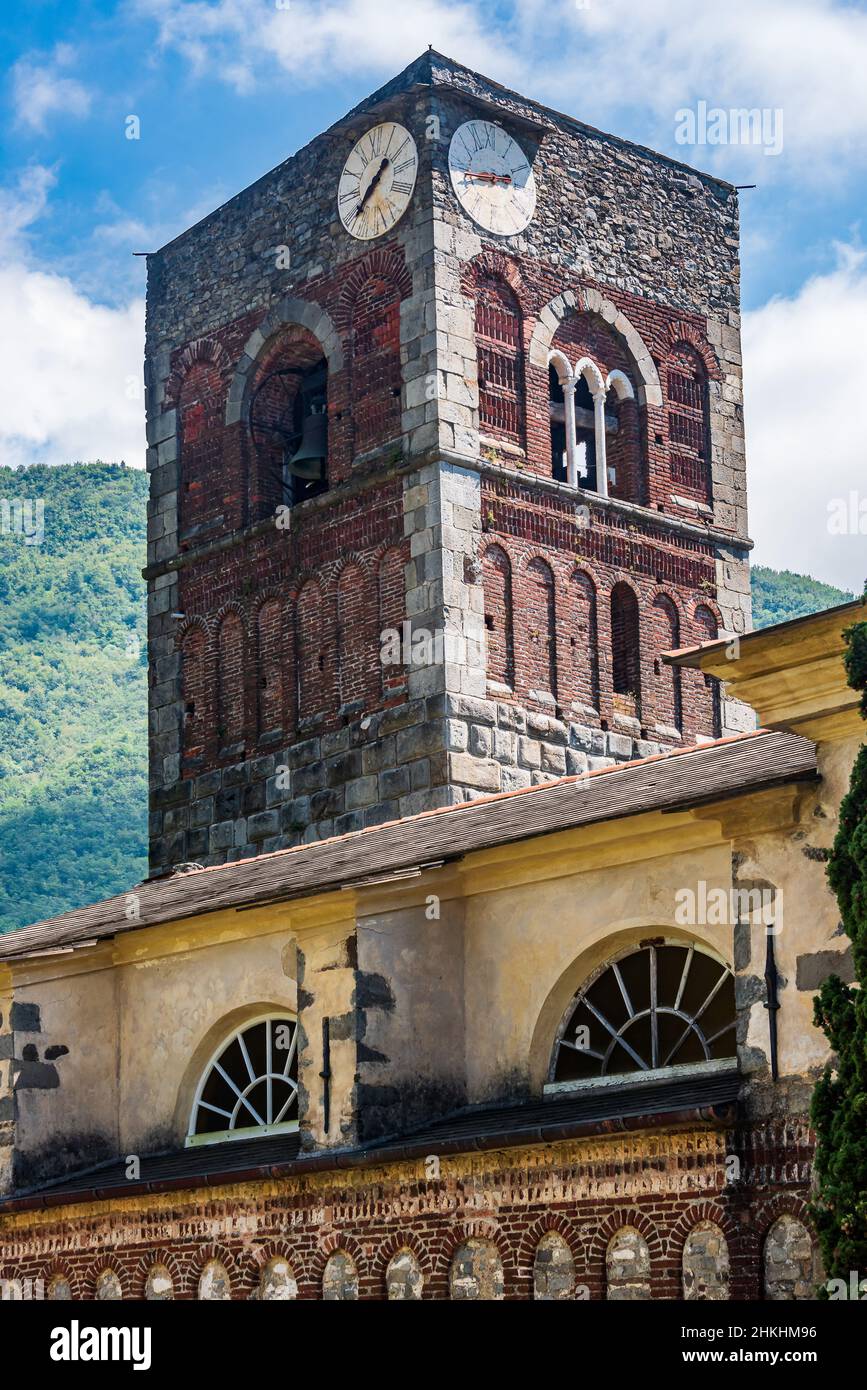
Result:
pixel 839 1107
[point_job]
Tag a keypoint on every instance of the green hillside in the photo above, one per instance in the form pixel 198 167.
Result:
pixel 780 594
pixel 73 691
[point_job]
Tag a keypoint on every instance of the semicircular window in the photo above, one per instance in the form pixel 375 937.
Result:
pixel 250 1087
pixel 658 1007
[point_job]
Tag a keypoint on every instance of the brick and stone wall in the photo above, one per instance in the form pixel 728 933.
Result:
pixel 272 716
pixel 646 1216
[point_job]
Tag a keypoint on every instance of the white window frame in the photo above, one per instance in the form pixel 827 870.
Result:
pixel 253 1131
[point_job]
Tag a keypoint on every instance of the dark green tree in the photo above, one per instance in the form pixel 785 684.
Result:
pixel 839 1108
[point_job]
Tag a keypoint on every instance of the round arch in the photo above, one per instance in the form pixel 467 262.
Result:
pixel 289 311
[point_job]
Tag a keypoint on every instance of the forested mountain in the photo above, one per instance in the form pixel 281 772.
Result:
pixel 73 689
pixel 73 685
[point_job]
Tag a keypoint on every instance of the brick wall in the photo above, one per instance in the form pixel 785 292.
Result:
pixel 473 1229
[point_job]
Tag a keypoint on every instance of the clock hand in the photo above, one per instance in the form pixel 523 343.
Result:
pixel 371 186
pixel 489 178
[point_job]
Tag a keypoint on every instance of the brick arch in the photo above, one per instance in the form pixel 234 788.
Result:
pixel 386 263
pixel 560 1225
pixel 782 1204
pixel 314 655
pixel 105 1264
pixel 201 350
pixel 145 1263
pixel 538 668
pixel 231 641
pixel 582 661
pixel 59 1269
pixel 386 1251
pixel 357 635
pixel 476 1228
pixel 626 644
pixel 389 562
pixel 262 1255
pixel 194 642
pixel 684 332
pixel 272 664
pixel 203 1257
pixel 338 1240
pixel 597 1248
pixel 497 265
pixel 590 301
pixel 662 614
pixel 290 311
pixel 498 590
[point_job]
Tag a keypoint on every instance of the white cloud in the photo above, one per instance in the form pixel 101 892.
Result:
pixel 804 57
pixel 804 363
pixel 310 40
pixel 70 368
pixel 40 89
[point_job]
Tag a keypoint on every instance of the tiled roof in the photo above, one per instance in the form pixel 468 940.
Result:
pixel 668 782
pixel 606 1109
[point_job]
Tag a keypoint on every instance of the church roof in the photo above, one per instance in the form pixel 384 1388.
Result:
pixel 667 782
pixel 573 1115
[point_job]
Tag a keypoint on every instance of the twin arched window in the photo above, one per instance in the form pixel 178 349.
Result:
pixel 250 1086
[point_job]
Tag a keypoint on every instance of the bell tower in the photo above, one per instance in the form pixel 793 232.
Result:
pixel 446 449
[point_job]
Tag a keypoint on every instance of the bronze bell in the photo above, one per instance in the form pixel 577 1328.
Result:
pixel 308 461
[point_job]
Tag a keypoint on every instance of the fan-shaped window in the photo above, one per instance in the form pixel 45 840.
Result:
pixel 251 1085
pixel 661 1006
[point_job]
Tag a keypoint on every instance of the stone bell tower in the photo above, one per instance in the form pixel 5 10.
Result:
pixel 446 448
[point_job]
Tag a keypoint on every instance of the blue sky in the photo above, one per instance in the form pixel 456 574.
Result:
pixel 225 89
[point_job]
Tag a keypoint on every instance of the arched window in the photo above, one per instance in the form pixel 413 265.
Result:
pixel 288 423
pixel 499 635
pixel 689 451
pixel 250 1086
pixel 60 1289
pixel 705 1263
pixel 627 1266
pixel 501 362
pixel 625 651
pixel 660 1006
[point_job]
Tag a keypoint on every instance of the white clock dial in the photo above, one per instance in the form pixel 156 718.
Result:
pixel 492 178
pixel 377 181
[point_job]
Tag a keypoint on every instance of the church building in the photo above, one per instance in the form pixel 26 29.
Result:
pixel 477 954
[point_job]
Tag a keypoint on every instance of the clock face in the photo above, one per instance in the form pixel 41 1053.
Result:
pixel 492 177
pixel 377 181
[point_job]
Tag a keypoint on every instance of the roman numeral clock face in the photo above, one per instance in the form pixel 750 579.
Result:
pixel 377 181
pixel 492 177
